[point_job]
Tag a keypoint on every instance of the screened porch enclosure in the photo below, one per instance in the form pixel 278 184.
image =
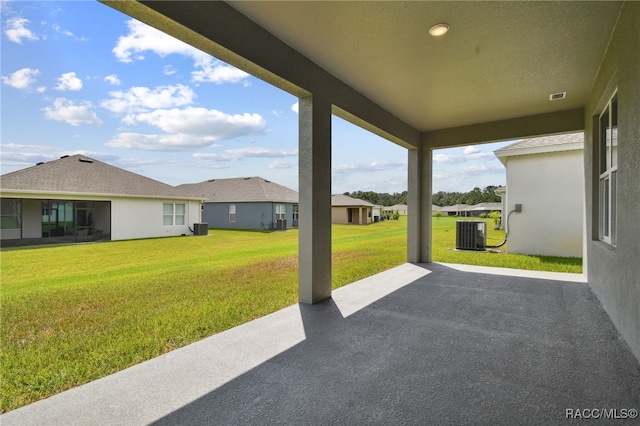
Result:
pixel 49 221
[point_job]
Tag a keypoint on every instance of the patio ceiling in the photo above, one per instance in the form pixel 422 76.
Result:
pixel 499 61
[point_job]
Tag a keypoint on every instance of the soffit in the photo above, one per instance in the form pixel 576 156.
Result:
pixel 500 60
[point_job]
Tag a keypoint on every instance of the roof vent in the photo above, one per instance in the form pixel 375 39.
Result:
pixel 85 160
pixel 211 180
pixel 268 181
pixel 37 164
pixel 247 178
pixel 557 96
pixel 64 156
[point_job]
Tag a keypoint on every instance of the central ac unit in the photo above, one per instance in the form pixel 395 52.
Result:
pixel 471 235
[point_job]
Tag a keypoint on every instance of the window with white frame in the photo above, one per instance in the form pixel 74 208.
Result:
pixel 232 212
pixel 173 214
pixel 608 158
pixel 280 212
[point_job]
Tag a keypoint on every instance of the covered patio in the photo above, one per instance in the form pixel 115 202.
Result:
pixel 424 343
pixel 504 71
pixel 419 344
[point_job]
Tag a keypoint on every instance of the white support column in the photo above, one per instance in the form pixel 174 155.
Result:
pixel 419 201
pixel 314 244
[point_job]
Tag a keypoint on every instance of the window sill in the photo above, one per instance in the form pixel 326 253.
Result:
pixel 606 246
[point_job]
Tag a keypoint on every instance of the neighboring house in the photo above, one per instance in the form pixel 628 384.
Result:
pixel 545 176
pixel 246 203
pixel 77 199
pixel 348 210
pixel 480 208
pixel 376 211
pixel 455 210
pixel 401 209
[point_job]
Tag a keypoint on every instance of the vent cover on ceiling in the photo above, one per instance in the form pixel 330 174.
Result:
pixel 557 96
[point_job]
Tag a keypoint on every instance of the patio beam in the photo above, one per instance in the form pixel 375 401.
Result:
pixel 314 245
pixel 514 128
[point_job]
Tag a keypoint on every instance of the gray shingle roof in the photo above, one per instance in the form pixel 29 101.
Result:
pixel 485 206
pixel 340 200
pixel 397 207
pixel 84 175
pixel 238 190
pixel 544 141
pixel 454 208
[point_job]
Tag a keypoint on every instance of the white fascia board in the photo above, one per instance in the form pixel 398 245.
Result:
pixel 575 146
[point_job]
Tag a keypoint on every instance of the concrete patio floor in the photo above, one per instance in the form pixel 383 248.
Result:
pixel 419 344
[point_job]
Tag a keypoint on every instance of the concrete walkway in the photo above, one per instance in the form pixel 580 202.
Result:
pixel 432 344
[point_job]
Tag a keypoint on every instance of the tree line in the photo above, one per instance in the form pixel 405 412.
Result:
pixel 440 198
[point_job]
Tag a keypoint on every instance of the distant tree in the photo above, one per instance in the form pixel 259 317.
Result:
pixel 438 214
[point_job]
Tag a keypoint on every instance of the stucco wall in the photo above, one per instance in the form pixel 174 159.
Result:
pixel 550 187
pixel 135 218
pixel 613 272
pixel 339 215
pixel 359 215
pixel 248 215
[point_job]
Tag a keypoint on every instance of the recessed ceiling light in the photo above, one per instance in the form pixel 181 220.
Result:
pixel 438 30
pixel 557 96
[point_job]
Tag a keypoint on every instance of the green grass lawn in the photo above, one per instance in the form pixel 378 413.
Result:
pixel 71 314
pixel 444 242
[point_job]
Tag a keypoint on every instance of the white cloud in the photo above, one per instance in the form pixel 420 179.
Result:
pixel 294 107
pixel 471 150
pixel 214 71
pixel 467 155
pixel 447 158
pixel 69 81
pixel 139 99
pixel 113 79
pixel 203 122
pixel 24 158
pixel 238 154
pixel 376 166
pixel 280 164
pixel 22 78
pixel 214 156
pixel 262 152
pixel 164 142
pixel 169 70
pixel 28 147
pixel 16 30
pixel 59 30
pixel 65 110
pixel 142 38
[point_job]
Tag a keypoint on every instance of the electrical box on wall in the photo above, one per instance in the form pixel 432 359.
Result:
pixel 518 208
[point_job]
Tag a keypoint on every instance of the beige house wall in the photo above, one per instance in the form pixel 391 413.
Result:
pixel 360 215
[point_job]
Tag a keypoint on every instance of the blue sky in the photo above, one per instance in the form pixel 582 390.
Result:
pixel 80 77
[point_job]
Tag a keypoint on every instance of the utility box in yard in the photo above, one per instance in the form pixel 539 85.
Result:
pixel 471 235
pixel 201 229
